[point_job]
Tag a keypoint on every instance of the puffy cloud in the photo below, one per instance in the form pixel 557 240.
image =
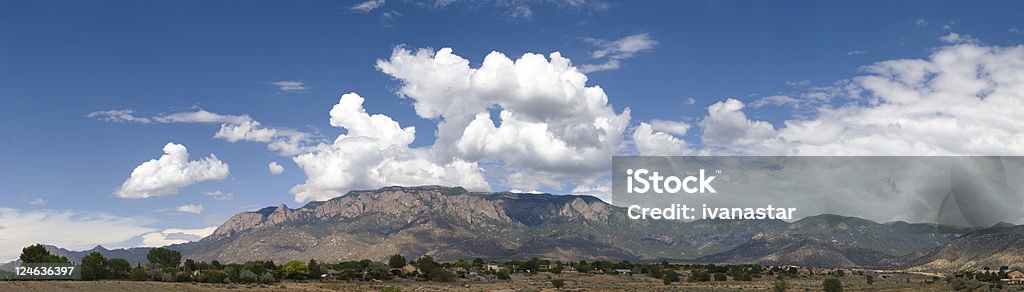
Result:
pixel 617 50
pixel 275 168
pixel 374 153
pixel 171 172
pixel 367 6
pixel 190 208
pixel 175 236
pixel 290 85
pixel 219 195
pixel 727 126
pixel 74 230
pixel 963 99
pixel 650 141
pixel 37 202
pixel 550 123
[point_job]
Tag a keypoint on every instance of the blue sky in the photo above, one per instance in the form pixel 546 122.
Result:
pixel 62 60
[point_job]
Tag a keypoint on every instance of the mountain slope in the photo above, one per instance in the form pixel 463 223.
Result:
pixel 447 223
pixel 451 223
pixel 804 250
pixel 998 246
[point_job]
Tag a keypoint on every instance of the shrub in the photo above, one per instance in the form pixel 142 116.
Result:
pixel 669 277
pixel 832 285
pixel 139 274
pixel 503 275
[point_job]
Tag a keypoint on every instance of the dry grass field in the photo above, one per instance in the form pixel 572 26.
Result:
pixel 518 283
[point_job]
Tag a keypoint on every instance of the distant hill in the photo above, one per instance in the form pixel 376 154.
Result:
pixel 1001 245
pixel 133 255
pixel 804 250
pixel 451 223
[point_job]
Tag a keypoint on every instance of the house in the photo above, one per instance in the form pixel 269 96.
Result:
pixel 624 272
pixel 494 267
pixel 1014 277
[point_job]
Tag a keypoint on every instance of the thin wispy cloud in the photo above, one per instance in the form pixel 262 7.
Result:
pixel 614 51
pixel 233 128
pixel 118 116
pixel 190 208
pixel 219 195
pixel 367 6
pixel 290 85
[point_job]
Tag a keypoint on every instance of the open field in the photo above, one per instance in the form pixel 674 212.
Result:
pixel 518 283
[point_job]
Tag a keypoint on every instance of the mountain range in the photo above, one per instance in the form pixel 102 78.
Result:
pixel 451 223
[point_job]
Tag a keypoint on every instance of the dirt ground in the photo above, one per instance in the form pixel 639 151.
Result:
pixel 518 283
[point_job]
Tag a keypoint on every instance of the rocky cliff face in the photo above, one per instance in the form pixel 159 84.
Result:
pixel 450 223
pixel 445 222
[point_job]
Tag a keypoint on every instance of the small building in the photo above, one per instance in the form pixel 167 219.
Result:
pixel 624 272
pixel 1014 277
pixel 494 267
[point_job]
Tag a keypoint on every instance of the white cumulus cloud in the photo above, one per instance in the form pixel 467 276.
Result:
pixel 963 99
pixel 170 172
pixel 275 168
pixel 550 125
pixel 374 153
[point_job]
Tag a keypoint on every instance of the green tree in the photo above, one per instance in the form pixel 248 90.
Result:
pixel 477 262
pixel 314 269
pixel 832 285
pixel 870 279
pixel 94 267
pixel 37 253
pixel 164 258
pixel 720 277
pixel 396 261
pixel 295 270
pixel 190 265
pixel 426 264
pixel 119 268
pixel 503 275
